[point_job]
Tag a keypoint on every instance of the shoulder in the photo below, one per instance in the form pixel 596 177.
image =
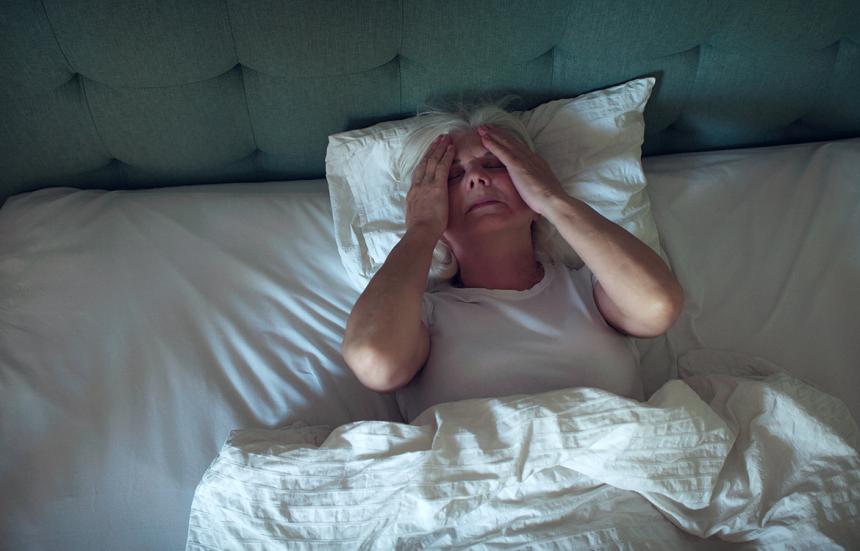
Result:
pixel 582 278
pixel 584 274
pixel 594 297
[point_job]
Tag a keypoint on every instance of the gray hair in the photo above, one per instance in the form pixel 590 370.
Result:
pixel 434 121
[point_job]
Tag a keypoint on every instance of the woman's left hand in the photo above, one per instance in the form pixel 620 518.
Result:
pixel 529 172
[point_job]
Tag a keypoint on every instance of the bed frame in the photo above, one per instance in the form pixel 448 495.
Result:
pixel 124 95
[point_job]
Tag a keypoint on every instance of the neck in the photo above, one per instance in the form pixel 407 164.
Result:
pixel 499 262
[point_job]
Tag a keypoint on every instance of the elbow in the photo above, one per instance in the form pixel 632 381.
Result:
pixel 660 316
pixel 668 309
pixel 676 302
pixel 374 370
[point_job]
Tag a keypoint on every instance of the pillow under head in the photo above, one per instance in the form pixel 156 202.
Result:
pixel 592 142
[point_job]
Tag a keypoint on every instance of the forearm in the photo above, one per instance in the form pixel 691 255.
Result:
pixel 632 275
pixel 383 330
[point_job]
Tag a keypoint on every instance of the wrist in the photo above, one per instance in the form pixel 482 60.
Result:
pixel 421 236
pixel 560 205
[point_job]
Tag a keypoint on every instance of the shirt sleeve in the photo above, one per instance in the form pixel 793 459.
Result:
pixel 587 275
pixel 427 310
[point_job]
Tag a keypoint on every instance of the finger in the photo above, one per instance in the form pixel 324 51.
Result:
pixel 418 173
pixel 421 169
pixel 439 147
pixel 501 136
pixel 444 165
pixel 498 149
pixel 435 157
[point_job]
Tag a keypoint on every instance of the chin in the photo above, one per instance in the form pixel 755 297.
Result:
pixel 488 224
pixel 500 219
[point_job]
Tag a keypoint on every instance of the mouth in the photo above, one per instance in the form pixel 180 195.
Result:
pixel 483 203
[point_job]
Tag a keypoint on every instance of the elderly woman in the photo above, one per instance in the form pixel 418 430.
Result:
pixel 512 321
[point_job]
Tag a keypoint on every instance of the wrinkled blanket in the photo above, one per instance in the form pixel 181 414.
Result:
pixel 735 451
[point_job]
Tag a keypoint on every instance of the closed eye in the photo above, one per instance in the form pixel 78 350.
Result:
pixel 456 172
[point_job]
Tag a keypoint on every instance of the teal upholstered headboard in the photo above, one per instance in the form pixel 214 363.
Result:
pixel 129 94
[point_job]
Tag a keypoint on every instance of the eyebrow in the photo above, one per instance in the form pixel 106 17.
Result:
pixel 486 155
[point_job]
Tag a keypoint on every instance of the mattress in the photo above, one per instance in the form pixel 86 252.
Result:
pixel 138 328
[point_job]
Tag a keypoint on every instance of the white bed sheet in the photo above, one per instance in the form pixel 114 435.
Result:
pixel 766 243
pixel 138 328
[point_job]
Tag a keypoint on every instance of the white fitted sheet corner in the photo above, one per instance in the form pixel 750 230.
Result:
pixel 527 469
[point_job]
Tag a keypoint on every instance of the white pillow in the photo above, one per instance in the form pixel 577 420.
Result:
pixel 592 142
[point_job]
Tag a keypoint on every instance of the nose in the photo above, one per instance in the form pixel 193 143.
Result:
pixel 478 175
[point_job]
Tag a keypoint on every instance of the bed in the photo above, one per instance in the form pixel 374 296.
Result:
pixel 168 268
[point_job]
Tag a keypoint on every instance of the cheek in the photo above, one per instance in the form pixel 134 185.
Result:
pixel 453 206
pixel 504 183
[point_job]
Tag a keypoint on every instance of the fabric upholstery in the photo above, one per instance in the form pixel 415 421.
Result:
pixel 123 94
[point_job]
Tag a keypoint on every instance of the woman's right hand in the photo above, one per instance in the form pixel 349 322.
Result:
pixel 427 200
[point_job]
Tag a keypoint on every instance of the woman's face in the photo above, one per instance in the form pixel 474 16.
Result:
pixel 481 197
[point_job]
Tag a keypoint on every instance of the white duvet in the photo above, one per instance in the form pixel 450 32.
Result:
pixel 735 451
